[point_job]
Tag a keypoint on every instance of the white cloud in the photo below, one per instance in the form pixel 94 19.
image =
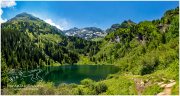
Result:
pixel 5 4
pixel 53 24
pixel 2 20
pixel 64 23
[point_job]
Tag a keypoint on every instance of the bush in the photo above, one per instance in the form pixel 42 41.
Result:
pixel 46 88
pixel 28 91
pixel 78 91
pixel 149 64
pixel 41 88
pixel 87 82
pixel 91 87
pixel 65 89
pixel 110 76
pixel 100 87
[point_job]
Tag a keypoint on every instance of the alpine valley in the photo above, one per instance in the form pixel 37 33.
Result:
pixel 146 55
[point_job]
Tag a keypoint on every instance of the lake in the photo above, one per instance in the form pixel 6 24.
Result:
pixel 64 74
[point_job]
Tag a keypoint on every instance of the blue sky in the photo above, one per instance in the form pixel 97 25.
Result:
pixel 80 14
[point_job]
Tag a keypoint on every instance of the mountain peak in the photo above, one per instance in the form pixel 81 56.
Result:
pixel 30 22
pixel 95 29
pixel 124 24
pixel 24 16
pixel 85 33
pixel 128 21
pixel 75 28
pixel 127 24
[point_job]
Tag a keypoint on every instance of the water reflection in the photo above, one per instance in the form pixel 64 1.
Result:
pixel 64 74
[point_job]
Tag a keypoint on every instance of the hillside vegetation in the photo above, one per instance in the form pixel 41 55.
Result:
pixel 147 54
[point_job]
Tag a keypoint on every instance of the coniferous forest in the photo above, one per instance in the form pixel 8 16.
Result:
pixel 146 53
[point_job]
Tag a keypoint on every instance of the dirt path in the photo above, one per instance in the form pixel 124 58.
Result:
pixel 140 86
pixel 167 88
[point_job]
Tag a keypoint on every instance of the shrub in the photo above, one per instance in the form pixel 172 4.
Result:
pixel 110 76
pixel 87 82
pixel 41 88
pixel 28 91
pixel 78 91
pixel 65 89
pixel 46 88
pixel 149 64
pixel 100 87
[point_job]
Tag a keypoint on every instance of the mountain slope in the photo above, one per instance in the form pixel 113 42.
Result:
pixel 25 33
pixel 140 49
pixel 28 43
pixel 30 23
pixel 146 53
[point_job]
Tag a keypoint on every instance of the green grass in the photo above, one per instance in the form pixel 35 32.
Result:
pixel 175 89
pixel 97 39
pixel 152 90
pixel 120 85
pixel 152 59
pixel 84 60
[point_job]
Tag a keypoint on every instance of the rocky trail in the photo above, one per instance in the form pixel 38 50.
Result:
pixel 167 88
pixel 141 85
